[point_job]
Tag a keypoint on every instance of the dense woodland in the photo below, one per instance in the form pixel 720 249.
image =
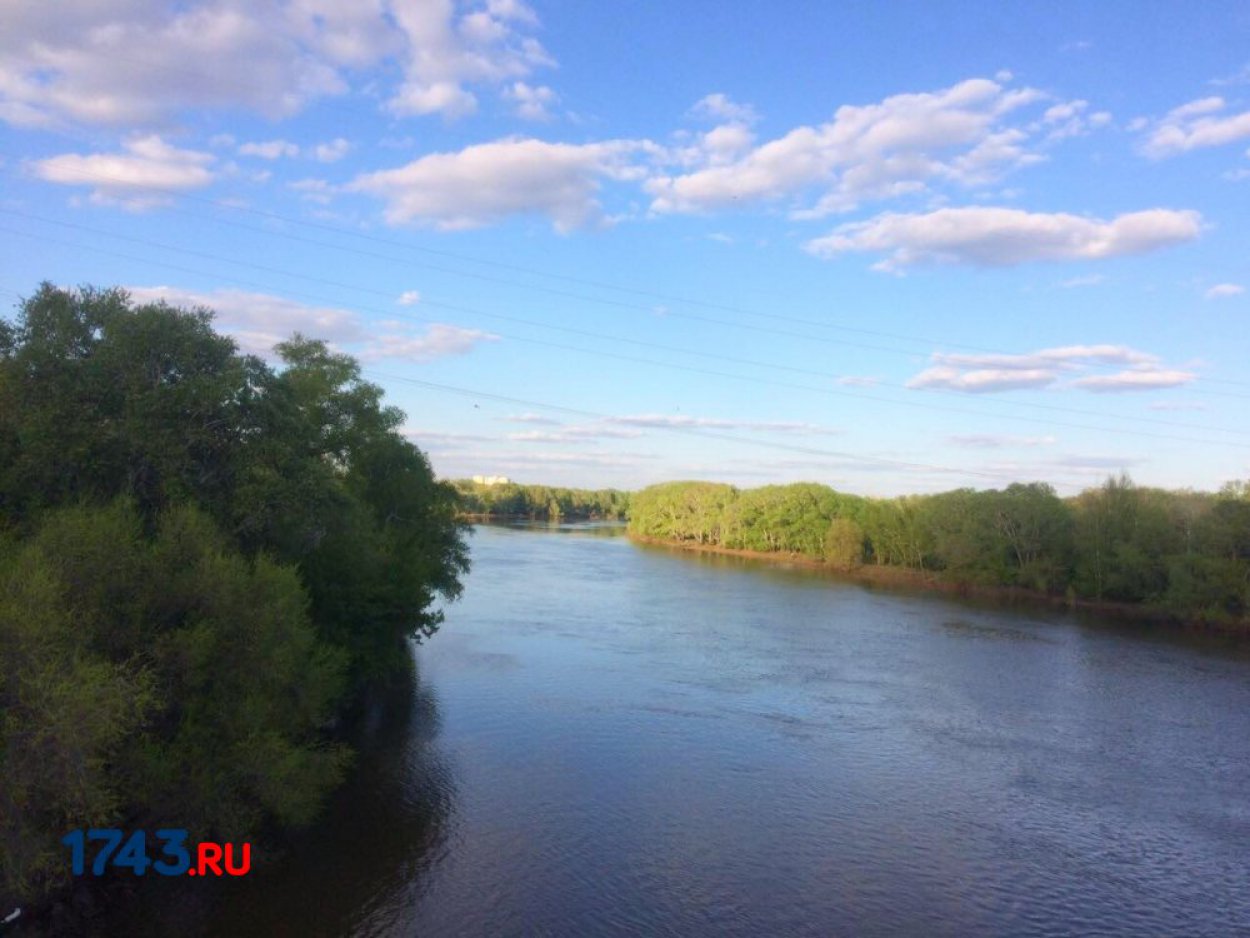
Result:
pixel 1184 554
pixel 203 561
pixel 541 502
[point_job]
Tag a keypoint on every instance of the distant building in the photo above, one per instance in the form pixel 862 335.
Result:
pixel 491 480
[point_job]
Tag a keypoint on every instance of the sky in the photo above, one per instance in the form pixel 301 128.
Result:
pixel 893 248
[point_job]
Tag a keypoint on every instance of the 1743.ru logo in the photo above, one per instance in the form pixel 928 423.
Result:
pixel 176 857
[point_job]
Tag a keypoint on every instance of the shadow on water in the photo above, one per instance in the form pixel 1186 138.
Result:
pixel 377 837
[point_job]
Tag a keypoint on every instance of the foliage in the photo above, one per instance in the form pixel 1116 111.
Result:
pixel 201 559
pixel 540 502
pixel 1183 552
pixel 167 679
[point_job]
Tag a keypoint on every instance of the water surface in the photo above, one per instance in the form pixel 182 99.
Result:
pixel 608 739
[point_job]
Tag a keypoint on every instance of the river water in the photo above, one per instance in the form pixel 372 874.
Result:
pixel 606 739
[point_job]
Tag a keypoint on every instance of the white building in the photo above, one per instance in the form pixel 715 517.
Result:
pixel 491 480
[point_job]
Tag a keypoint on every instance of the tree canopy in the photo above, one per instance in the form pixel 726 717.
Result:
pixel 202 559
pixel 1186 553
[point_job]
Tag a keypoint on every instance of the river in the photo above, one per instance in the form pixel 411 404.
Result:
pixel 607 739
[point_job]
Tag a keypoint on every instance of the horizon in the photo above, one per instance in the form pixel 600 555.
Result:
pixel 615 248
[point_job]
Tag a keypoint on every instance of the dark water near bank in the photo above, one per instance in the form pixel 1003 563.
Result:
pixel 606 739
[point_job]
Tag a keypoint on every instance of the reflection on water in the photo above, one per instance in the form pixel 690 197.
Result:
pixel 607 740
pixel 356 870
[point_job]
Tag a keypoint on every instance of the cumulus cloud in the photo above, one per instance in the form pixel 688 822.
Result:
pixel 438 341
pixel 900 145
pixel 444 52
pixel 259 321
pixel 409 298
pixel 145 173
pixel 489 182
pixel 531 102
pixel 1223 290
pixel 982 380
pixel 1005 237
pixel 136 62
pixel 993 372
pixel 1071 119
pixel 1196 125
pixel 332 151
pixel 720 107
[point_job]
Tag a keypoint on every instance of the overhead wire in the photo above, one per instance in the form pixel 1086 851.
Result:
pixel 642 343
pixel 588 351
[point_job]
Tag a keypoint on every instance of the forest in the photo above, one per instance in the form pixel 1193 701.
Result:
pixel 540 502
pixel 1182 554
pixel 205 561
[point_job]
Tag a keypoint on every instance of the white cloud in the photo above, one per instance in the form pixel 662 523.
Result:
pixel 331 151
pixel 897 146
pixel 144 174
pixel 409 298
pixel 535 419
pixel 982 380
pixel 714 423
pixel 489 182
pixel 720 107
pixel 533 102
pixel 270 149
pixel 439 341
pixel 1072 119
pixel 1062 356
pixel 444 52
pixel 994 372
pixel 1195 125
pixel 1222 290
pixel 258 321
pixel 858 381
pixel 140 63
pixel 1003 237
pixel 1137 379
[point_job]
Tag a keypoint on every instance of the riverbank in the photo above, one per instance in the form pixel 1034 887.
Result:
pixel 903 579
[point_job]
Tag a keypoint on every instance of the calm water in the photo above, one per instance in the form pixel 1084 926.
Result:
pixel 607 739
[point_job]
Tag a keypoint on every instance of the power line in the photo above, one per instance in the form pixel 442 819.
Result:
pixel 599 352
pixel 636 342
pixel 655 295
pixel 691 431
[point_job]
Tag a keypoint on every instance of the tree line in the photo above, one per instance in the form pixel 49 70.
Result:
pixel 203 561
pixel 540 502
pixel 1182 553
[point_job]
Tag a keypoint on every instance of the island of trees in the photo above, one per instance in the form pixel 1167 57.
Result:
pixel 203 561
pixel 1181 555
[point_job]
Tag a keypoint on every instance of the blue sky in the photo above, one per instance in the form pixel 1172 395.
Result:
pixel 894 247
